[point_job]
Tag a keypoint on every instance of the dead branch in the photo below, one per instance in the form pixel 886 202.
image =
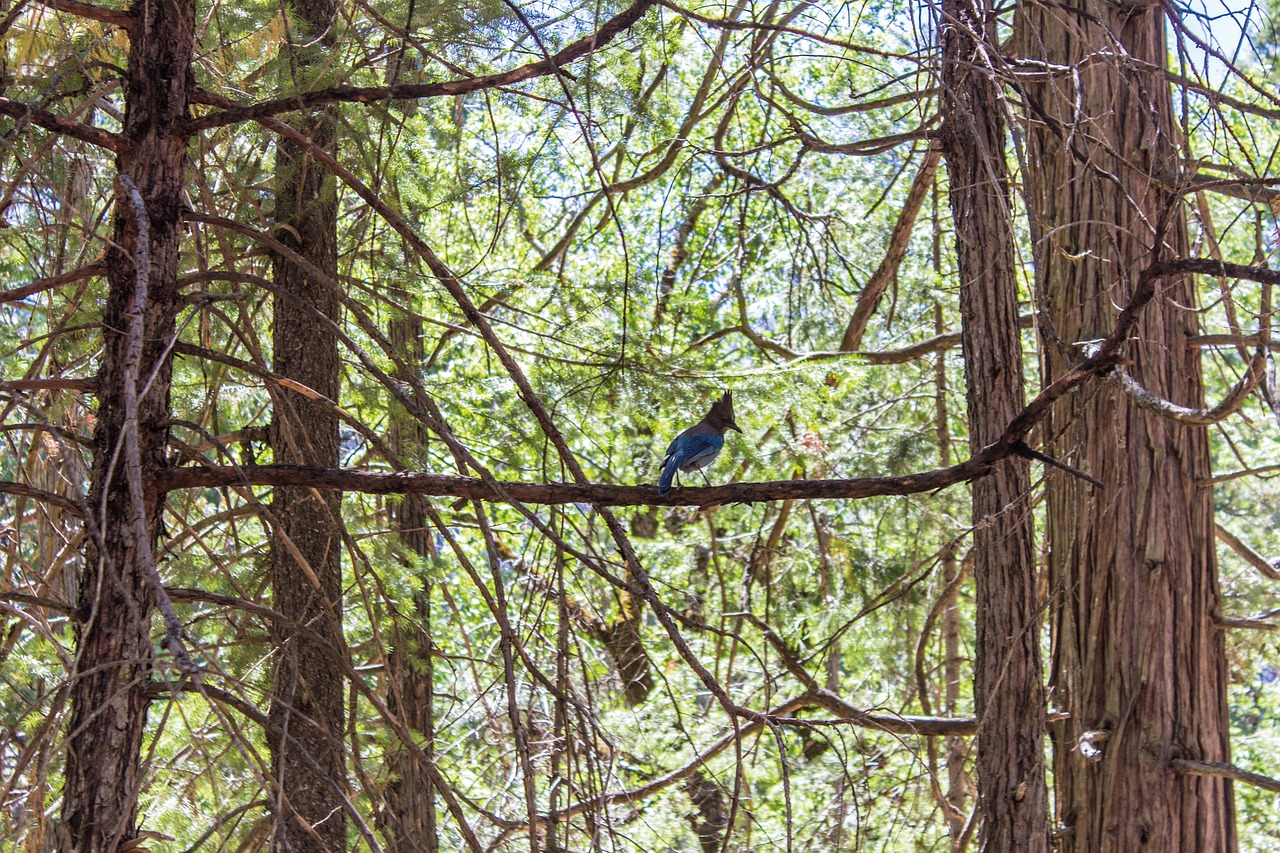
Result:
pixel 405 91
pixel 94 13
pixel 17 294
pixel 1250 556
pixel 1221 769
pixel 899 240
pixel 22 490
pixel 57 124
pixel 132 448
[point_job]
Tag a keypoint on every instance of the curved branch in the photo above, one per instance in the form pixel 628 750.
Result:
pixel 846 714
pixel 1229 405
pixel 370 94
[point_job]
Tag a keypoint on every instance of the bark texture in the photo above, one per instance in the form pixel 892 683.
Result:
pixel 114 646
pixel 1136 658
pixel 1008 683
pixel 307 704
pixel 410 815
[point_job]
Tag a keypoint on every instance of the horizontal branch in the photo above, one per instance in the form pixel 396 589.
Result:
pixel 1252 340
pixel 1223 770
pixel 17 294
pixel 1246 623
pixel 87 10
pixel 781 715
pixel 370 94
pixel 604 494
pixel 596 494
pixel 88 386
pixel 58 124
pixel 9 487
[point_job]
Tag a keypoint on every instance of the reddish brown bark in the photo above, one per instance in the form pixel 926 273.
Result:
pixel 1136 658
pixel 1008 682
pixel 114 651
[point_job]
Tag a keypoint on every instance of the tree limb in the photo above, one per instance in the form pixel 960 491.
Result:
pixel 1228 406
pixel 17 294
pixel 85 133
pixel 370 94
pixel 1250 556
pixel 87 10
pixel 1189 767
pixel 899 241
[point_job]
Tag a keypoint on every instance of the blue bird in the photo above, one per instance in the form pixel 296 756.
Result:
pixel 698 446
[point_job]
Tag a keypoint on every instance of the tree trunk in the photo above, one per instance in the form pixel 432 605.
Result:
pixel 1009 686
pixel 307 703
pixel 410 816
pixel 1136 659
pixel 114 649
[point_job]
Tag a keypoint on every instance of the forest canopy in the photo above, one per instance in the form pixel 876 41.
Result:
pixel 345 342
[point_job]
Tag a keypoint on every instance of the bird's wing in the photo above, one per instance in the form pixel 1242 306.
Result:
pixel 699 450
pixel 671 449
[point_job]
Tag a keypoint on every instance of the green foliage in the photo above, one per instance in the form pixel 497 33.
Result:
pixel 648 146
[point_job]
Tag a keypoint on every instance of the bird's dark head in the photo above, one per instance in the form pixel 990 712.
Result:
pixel 721 414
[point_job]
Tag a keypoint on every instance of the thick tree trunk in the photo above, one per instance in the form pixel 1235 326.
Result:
pixel 114 649
pixel 307 705
pixel 1136 659
pixel 1008 686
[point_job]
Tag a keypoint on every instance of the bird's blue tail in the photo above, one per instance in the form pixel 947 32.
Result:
pixel 668 472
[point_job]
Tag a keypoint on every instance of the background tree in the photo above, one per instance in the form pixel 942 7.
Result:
pixel 308 698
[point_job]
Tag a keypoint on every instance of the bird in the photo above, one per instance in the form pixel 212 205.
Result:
pixel 698 446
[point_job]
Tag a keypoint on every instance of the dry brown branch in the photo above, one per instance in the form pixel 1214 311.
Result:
pixel 57 124
pixel 17 294
pixel 94 13
pixel 1250 556
pixel 23 490
pixel 1221 769
pixel 899 240
pixel 604 495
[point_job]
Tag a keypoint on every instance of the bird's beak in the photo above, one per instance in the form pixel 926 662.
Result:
pixel 734 427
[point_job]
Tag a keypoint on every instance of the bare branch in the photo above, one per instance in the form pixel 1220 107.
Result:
pixel 371 94
pixel 17 294
pixel 85 133
pixel 88 386
pixel 132 448
pixel 1229 405
pixel 1221 769
pixel 23 490
pixel 95 13
pixel 1250 556
pixel 899 240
